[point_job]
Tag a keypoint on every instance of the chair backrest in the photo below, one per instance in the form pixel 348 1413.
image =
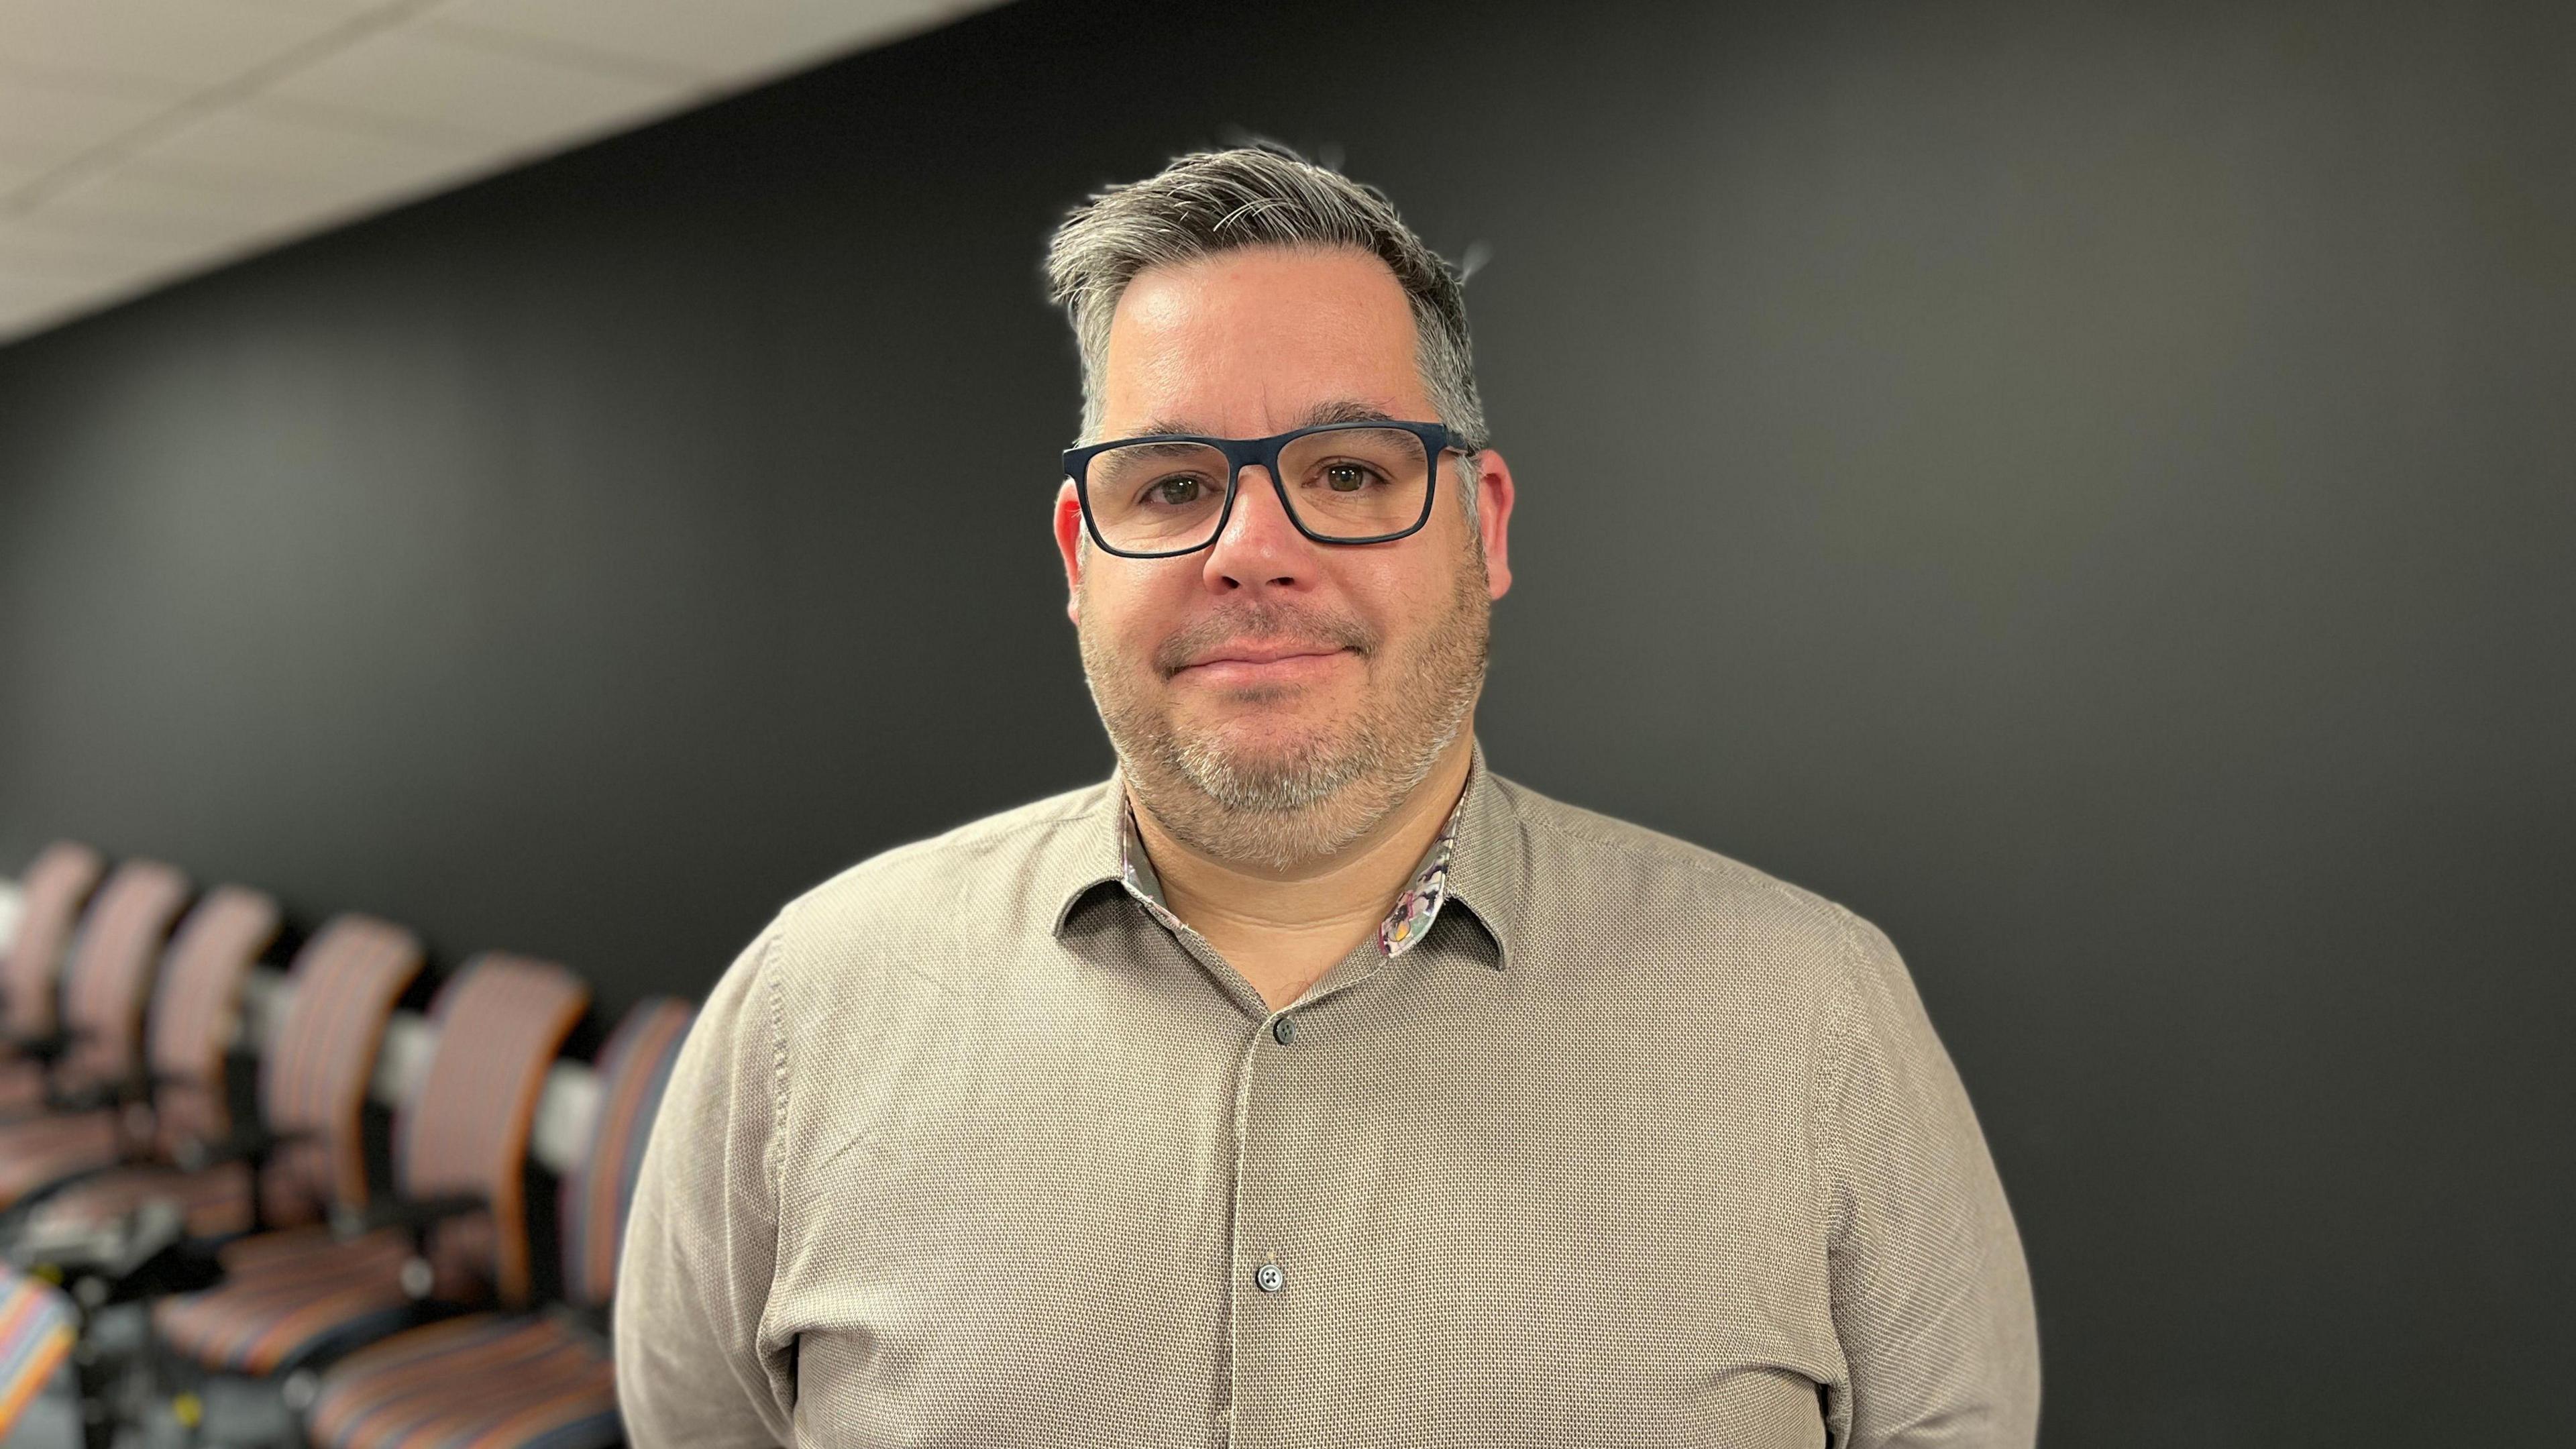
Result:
pixel 51 894
pixel 121 936
pixel 197 1005
pixel 633 1068
pixel 500 1021
pixel 346 982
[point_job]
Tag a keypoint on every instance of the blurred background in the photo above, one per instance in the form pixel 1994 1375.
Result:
pixel 2088 487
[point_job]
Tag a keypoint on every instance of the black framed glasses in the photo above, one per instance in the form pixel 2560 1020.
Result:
pixel 1167 494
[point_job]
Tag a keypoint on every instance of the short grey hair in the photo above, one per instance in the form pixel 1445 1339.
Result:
pixel 1260 194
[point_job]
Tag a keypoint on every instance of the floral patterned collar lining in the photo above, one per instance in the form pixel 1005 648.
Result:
pixel 1406 924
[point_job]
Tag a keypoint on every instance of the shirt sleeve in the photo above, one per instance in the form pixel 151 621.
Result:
pixel 1931 1296
pixel 701 1245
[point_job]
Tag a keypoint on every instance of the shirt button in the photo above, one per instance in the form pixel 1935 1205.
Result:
pixel 1269 1277
pixel 1285 1028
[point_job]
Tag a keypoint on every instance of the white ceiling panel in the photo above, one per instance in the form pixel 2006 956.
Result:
pixel 736 36
pixel 445 85
pixel 48 121
pixel 183 45
pixel 146 140
pixel 57 256
pixel 17 168
pixel 28 300
pixel 338 7
pixel 280 138
pixel 120 205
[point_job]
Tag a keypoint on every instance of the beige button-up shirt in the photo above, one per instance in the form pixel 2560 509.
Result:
pixel 1631 1145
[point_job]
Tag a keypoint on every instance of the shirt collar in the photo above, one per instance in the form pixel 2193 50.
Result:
pixel 1477 862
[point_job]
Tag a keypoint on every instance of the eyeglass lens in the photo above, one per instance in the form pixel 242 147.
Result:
pixel 1344 483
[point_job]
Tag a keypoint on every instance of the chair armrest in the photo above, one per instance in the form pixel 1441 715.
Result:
pixel 48 1047
pixel 419 1214
pixel 588 1321
pixel 253 1145
pixel 95 1096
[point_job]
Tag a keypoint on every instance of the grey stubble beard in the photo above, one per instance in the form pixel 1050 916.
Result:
pixel 1328 790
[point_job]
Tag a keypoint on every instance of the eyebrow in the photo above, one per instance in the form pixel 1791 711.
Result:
pixel 1340 410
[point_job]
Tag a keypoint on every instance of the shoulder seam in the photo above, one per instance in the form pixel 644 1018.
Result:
pixel 946 840
pixel 1832 1042
pixel 1700 858
pixel 778 1069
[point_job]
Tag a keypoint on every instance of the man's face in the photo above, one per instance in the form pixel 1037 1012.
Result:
pixel 1269 761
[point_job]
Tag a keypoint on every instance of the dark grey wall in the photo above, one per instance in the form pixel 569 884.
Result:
pixel 2089 487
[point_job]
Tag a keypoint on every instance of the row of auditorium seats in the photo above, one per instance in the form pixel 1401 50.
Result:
pixel 215 1235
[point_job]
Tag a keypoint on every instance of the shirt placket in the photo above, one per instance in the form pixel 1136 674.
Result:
pixel 1257 1295
pixel 1260 1295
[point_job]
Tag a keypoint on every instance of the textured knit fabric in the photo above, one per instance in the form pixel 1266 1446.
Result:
pixel 1416 906
pixel 1638 1146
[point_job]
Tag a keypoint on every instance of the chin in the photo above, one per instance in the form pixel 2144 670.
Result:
pixel 1268 734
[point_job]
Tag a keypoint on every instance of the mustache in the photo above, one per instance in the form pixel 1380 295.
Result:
pixel 1263 624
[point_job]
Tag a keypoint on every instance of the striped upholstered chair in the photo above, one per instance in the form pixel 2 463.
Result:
pixel 51 895
pixel 460 1154
pixel 38 1327
pixel 540 1379
pixel 313 1080
pixel 81 1124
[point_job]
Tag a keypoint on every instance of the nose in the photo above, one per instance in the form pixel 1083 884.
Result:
pixel 1260 547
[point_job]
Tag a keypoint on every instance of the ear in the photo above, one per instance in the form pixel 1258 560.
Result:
pixel 1069 539
pixel 1493 485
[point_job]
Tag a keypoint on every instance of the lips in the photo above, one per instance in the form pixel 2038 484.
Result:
pixel 1261 653
pixel 1262 666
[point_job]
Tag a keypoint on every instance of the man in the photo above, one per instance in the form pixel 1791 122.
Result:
pixel 1306 1083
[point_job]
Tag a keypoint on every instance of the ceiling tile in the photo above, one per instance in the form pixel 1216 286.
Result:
pixel 413 77
pixel 55 255
pixel 279 139
pixel 47 121
pixel 736 40
pixel 28 304
pixel 185 43
pixel 143 214
pixel 146 140
pixel 338 7
pixel 292 205
pixel 18 167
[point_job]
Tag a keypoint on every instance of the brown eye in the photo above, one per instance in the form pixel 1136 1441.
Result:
pixel 1346 477
pixel 1174 492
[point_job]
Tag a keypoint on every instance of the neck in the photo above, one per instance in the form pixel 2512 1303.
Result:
pixel 1328 904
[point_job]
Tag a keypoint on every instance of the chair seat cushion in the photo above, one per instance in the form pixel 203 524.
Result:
pixel 535 1383
pixel 38 1150
pixel 285 1294
pixel 23 1082
pixel 217 1200
pixel 36 1332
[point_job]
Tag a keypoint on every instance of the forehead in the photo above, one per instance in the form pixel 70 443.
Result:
pixel 1250 340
